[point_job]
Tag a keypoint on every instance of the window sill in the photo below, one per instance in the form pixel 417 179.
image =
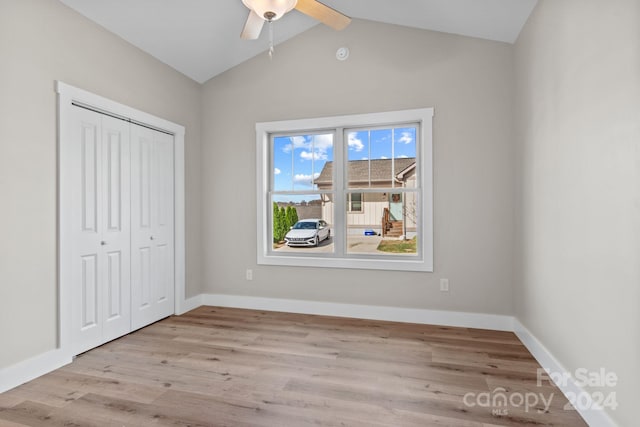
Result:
pixel 368 263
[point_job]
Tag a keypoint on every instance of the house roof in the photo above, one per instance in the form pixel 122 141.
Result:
pixel 380 170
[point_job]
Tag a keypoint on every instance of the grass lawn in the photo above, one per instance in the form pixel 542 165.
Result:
pixel 398 246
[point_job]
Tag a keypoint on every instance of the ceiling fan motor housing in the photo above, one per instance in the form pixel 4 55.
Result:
pixel 270 10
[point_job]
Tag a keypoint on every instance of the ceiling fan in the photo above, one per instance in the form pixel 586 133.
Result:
pixel 271 10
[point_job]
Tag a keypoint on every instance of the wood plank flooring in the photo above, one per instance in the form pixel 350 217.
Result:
pixel 230 367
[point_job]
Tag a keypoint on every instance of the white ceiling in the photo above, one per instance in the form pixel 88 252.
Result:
pixel 201 38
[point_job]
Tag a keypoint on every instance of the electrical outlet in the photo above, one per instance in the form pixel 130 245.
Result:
pixel 249 274
pixel 444 285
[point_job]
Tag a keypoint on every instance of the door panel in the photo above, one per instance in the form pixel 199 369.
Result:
pixel 100 259
pixel 142 311
pixel 85 233
pixel 163 276
pixel 89 166
pixel 114 286
pixel 163 227
pixel 114 181
pixel 116 228
pixel 144 176
pixel 143 276
pixel 89 292
pixel 152 226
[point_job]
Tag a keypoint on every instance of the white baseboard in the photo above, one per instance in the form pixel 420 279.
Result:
pixel 394 314
pixel 27 370
pixel 189 304
pixel 593 417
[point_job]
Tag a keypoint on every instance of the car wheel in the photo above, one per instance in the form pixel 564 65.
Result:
pixel 317 241
pixel 328 235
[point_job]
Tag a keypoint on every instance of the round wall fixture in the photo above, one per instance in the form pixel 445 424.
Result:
pixel 342 54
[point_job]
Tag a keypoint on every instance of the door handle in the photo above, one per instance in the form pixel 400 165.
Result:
pixel 102 243
pixel 151 237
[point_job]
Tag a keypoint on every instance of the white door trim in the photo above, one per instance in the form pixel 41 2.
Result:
pixel 66 95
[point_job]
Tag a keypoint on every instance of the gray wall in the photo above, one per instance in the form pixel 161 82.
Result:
pixel 42 41
pixel 467 81
pixel 578 134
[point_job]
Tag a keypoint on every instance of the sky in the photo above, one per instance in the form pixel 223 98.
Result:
pixel 298 159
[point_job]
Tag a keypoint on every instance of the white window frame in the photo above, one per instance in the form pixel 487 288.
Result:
pixel 337 124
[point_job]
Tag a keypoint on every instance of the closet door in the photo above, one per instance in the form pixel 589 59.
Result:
pixel 152 226
pixel 101 306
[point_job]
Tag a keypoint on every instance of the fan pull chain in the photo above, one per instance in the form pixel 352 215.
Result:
pixel 271 49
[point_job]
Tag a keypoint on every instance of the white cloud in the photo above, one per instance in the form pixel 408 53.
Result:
pixel 354 143
pixel 403 156
pixel 365 158
pixel 319 145
pixel 323 142
pixel 296 142
pixel 406 138
pixel 305 179
pixel 277 171
pixel 384 157
pixel 317 155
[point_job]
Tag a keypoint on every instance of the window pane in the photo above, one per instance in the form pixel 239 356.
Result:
pixel 302 223
pixel 381 145
pixel 404 153
pixel 358 145
pixel 299 160
pixel 386 226
pixel 381 158
pixel 282 164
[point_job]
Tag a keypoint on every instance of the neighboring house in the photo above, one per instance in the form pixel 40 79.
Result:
pixel 388 212
pixel 305 210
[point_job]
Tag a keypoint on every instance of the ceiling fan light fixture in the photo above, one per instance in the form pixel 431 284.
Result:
pixel 270 10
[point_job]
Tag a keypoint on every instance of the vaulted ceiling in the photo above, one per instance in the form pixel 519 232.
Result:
pixel 201 38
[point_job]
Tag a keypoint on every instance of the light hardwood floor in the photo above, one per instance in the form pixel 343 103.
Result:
pixel 230 367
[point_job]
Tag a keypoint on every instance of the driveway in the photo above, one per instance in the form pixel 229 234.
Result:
pixel 363 244
pixel 355 244
pixel 324 246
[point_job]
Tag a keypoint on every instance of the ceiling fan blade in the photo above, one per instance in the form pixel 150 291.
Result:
pixel 323 13
pixel 252 27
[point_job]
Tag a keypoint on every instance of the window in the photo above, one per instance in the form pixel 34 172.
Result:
pixel 355 202
pixel 346 192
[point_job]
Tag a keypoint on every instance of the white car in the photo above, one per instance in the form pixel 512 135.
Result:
pixel 308 232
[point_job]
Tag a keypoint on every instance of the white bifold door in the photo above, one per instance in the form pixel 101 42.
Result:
pixel 152 270
pixel 121 228
pixel 101 230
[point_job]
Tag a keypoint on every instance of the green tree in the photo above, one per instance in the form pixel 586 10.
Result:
pixel 277 227
pixel 292 216
pixel 282 223
pixel 283 220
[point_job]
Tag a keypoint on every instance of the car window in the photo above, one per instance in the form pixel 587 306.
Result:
pixel 306 225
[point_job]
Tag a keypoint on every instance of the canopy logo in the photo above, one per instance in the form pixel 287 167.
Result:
pixel 500 401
